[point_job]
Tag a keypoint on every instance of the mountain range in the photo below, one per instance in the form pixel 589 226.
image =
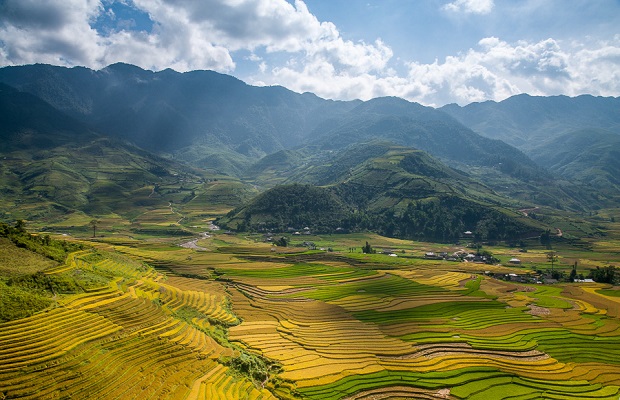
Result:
pixel 83 139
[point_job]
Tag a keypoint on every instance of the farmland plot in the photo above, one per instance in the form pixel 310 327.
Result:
pixel 426 333
pixel 242 322
pixel 140 336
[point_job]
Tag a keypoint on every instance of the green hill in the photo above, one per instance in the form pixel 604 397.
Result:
pixel 399 192
pixel 412 125
pixel 54 169
pixel 296 206
pixel 590 156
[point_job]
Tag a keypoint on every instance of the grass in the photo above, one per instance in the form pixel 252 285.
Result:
pixel 298 270
pixel 18 261
pixel 549 297
pixel 609 292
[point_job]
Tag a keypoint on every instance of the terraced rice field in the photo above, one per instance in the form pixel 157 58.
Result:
pixel 125 340
pixel 356 332
pixel 334 328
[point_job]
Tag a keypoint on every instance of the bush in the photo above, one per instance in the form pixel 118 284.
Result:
pixel 18 303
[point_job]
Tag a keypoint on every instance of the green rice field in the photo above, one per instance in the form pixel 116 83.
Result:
pixel 242 319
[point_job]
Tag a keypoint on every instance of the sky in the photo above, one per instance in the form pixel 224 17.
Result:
pixel 433 52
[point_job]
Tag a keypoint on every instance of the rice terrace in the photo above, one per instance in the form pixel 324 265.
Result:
pixel 309 200
pixel 245 319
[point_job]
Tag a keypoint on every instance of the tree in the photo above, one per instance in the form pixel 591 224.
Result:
pixel 367 249
pixel 46 240
pixel 545 239
pixel 94 224
pixel 604 275
pixel 282 242
pixel 20 225
pixel 552 256
pixel 573 273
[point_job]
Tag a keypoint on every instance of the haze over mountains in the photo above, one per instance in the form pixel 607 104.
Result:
pixel 554 151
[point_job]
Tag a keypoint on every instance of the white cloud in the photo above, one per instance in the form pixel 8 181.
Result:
pixel 470 6
pixel 187 35
pixel 495 70
pixel 206 34
pixel 55 31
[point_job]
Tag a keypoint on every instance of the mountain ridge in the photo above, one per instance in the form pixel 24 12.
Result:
pixel 203 123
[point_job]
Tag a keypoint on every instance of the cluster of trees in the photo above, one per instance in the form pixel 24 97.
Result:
pixel 545 239
pixel 282 242
pixel 367 249
pixel 605 275
pixel 445 220
pixel 441 219
pixel 56 250
pixel 290 206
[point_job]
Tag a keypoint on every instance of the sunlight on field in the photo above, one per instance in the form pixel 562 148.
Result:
pixel 332 325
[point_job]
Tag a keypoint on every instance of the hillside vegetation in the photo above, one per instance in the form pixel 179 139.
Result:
pixel 552 130
pixel 401 193
pixel 82 127
pixel 591 156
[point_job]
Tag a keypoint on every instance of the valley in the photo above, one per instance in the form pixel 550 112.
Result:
pixel 238 317
pixel 170 235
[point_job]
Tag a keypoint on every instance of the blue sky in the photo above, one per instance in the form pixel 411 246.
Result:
pixel 430 51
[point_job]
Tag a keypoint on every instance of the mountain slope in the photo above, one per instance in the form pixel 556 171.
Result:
pixel 53 166
pixel 400 192
pixel 170 112
pixel 215 121
pixel 590 156
pixel 267 135
pixel 527 121
pixel 27 123
pixel 413 125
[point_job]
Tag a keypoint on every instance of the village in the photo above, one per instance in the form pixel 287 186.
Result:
pixel 471 253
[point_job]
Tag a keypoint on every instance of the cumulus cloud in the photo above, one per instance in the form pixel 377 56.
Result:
pixel 494 70
pixel 55 31
pixel 470 6
pixel 186 35
pixel 289 46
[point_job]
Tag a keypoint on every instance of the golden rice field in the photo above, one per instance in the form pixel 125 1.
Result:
pixel 240 321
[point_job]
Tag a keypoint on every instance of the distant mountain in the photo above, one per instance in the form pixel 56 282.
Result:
pixel 69 135
pixel 193 114
pixel 410 124
pixel 53 165
pixel 29 123
pixel 527 122
pixel 216 121
pixel 574 137
pixel 587 155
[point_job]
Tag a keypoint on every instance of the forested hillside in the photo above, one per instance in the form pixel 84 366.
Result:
pixel 400 193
